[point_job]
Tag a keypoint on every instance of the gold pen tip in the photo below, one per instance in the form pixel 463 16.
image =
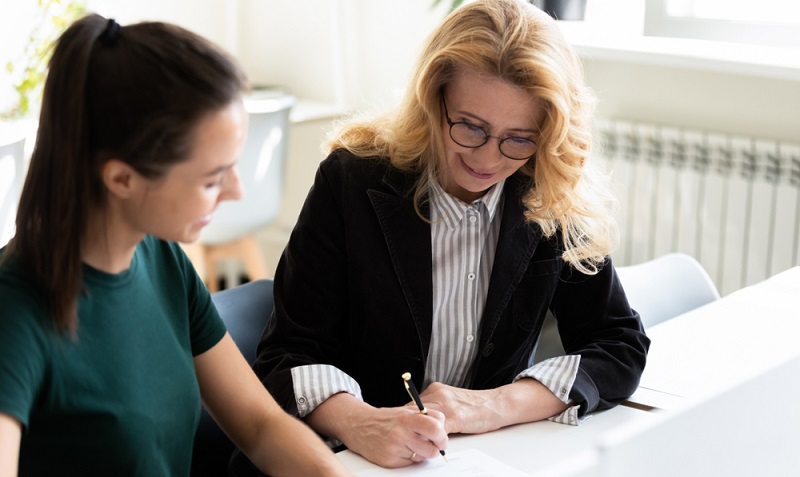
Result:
pixel 407 376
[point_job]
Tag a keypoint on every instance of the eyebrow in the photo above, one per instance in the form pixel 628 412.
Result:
pixel 219 170
pixel 486 123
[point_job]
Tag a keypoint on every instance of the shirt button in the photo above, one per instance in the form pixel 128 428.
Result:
pixel 470 338
pixel 563 391
pixel 473 219
pixel 301 400
pixel 471 276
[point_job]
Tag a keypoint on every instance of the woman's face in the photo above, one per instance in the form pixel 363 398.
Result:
pixel 177 206
pixel 502 110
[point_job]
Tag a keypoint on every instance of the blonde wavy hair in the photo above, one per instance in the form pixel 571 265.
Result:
pixel 513 40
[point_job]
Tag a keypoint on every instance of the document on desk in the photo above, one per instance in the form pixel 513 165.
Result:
pixel 472 463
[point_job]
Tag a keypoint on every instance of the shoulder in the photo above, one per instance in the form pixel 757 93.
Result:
pixel 371 173
pixel 23 315
pixel 161 251
pixel 18 290
pixel 164 259
pixel 342 161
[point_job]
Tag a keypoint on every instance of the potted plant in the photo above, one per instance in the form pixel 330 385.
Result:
pixel 27 70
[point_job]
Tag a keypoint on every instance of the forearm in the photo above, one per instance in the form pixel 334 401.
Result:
pixel 286 447
pixel 526 400
pixel 10 436
pixel 477 411
pixel 335 417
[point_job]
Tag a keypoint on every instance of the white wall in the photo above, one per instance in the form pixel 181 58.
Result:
pixel 214 19
pixel 350 52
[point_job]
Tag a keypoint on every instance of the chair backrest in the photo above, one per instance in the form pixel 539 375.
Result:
pixel 261 166
pixel 245 309
pixel 666 287
pixel 12 173
pixel 658 290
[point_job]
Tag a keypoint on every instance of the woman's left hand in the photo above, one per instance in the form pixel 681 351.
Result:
pixel 470 411
pixel 467 411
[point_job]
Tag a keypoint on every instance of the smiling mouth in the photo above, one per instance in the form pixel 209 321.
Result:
pixel 205 220
pixel 478 174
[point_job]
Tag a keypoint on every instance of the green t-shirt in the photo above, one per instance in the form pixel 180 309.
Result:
pixel 123 398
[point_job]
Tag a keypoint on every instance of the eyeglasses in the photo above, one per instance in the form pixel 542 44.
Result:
pixel 473 136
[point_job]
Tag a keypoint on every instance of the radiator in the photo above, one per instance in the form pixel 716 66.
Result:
pixel 731 202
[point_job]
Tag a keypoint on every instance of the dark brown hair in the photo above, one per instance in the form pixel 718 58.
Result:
pixel 135 93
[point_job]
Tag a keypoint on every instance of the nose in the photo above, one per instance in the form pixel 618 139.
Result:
pixel 233 186
pixel 490 150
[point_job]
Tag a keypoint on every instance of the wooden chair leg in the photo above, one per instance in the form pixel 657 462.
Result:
pixel 245 249
pixel 253 258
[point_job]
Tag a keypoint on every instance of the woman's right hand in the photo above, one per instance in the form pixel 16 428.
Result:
pixel 389 437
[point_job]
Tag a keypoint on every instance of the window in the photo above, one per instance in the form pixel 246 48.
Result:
pixel 765 22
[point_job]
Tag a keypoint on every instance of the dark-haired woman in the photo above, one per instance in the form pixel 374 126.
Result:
pixel 108 338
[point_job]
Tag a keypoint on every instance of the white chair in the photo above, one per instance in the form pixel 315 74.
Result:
pixel 666 287
pixel 658 290
pixel 230 235
pixel 12 174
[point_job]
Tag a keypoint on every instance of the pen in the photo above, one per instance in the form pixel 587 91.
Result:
pixel 412 391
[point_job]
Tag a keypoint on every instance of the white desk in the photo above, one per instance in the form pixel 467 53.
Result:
pixel 722 344
pixel 750 334
pixel 534 448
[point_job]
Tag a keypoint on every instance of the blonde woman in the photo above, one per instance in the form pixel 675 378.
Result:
pixel 435 240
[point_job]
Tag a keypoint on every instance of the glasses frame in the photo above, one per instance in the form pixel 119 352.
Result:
pixel 487 136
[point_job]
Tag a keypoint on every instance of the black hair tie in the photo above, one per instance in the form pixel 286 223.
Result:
pixel 111 33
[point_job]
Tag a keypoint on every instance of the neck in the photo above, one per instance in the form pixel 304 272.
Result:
pixel 108 243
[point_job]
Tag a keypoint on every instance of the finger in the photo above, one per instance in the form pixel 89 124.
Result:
pixel 429 435
pixel 426 450
pixel 430 426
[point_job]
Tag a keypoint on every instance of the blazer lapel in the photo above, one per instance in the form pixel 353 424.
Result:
pixel 408 239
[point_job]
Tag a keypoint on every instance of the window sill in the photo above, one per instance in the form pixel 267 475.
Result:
pixel 704 55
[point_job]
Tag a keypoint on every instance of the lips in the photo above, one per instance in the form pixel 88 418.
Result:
pixel 204 220
pixel 476 174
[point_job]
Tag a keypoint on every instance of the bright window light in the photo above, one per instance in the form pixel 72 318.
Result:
pixel 766 22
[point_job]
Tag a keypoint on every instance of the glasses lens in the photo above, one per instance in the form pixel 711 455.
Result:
pixel 468 135
pixel 517 147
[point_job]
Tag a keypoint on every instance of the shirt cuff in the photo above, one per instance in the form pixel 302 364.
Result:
pixel 558 375
pixel 314 383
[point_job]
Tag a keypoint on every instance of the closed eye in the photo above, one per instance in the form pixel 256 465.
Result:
pixel 216 183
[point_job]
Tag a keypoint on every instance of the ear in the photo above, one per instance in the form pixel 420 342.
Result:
pixel 119 178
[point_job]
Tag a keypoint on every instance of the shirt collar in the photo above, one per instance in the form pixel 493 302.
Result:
pixel 451 210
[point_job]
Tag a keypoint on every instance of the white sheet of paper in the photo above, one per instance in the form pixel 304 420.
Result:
pixel 472 463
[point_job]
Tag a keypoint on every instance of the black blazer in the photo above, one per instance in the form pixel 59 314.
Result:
pixel 353 289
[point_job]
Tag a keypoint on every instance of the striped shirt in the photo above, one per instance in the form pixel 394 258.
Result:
pixel 463 242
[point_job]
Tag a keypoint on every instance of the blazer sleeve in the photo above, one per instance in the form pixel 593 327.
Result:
pixel 309 290
pixel 596 321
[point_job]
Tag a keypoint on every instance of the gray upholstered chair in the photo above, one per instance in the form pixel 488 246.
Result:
pixel 245 309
